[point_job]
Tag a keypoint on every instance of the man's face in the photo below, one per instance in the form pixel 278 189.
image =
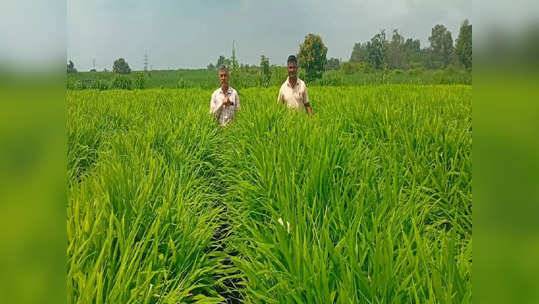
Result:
pixel 223 77
pixel 292 69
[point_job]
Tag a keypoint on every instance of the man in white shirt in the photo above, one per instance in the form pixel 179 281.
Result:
pixel 225 100
pixel 293 92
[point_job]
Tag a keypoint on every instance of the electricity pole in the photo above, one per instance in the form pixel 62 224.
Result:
pixel 146 62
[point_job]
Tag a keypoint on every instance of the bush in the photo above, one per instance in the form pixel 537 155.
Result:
pixel 82 84
pixel 439 77
pixel 101 85
pixel 416 71
pixel 331 78
pixel 122 83
pixel 265 72
pixel 279 74
pixel 184 84
pixel 354 67
pixel 450 75
pixel 350 67
pixel 140 82
pixel 71 85
pixel 451 69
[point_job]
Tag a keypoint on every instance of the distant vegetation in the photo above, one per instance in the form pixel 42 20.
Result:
pixel 71 67
pixel 381 60
pixel 348 74
pixel 121 66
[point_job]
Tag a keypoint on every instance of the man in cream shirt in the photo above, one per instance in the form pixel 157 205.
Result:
pixel 293 92
pixel 225 100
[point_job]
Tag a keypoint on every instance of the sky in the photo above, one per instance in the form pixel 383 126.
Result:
pixel 191 34
pixel 32 32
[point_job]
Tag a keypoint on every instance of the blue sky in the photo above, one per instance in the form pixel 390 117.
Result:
pixel 191 34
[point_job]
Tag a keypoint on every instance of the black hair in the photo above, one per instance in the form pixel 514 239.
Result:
pixel 292 58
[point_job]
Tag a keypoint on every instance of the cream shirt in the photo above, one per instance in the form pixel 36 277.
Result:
pixel 294 97
pixel 224 113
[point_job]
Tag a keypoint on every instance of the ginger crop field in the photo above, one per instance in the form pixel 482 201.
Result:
pixel 369 201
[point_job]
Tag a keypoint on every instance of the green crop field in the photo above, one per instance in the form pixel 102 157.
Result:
pixel 252 77
pixel 369 201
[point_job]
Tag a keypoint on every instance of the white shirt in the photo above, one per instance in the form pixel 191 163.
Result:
pixel 224 113
pixel 294 97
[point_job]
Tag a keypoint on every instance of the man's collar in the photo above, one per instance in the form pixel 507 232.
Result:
pixel 228 91
pixel 288 82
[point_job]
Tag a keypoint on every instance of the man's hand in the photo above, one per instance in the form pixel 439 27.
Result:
pixel 309 109
pixel 227 101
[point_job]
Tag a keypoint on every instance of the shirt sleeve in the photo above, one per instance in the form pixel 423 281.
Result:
pixel 214 104
pixel 237 100
pixel 280 98
pixel 305 97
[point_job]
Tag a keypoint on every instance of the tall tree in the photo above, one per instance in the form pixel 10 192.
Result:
pixel 221 61
pixel 413 52
pixel 376 50
pixel 441 46
pixel 121 66
pixel 333 64
pixel 359 53
pixel 463 47
pixel 233 60
pixel 396 54
pixel 312 56
pixel 266 71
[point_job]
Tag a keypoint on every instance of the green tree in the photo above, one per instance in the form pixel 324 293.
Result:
pixel 233 60
pixel 312 56
pixel 441 46
pixel 266 71
pixel 121 66
pixel 222 60
pixel 211 66
pixel 463 47
pixel 412 48
pixel 333 64
pixel 359 53
pixel 376 50
pixel 122 82
pixel 396 52
pixel 140 81
pixel 71 67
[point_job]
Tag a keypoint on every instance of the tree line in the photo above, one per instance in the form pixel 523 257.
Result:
pixel 379 53
pixel 119 66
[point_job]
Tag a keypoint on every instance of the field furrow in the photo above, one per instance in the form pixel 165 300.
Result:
pixel 369 201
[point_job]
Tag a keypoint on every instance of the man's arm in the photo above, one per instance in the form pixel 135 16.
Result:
pixel 309 109
pixel 307 103
pixel 237 98
pixel 280 98
pixel 215 107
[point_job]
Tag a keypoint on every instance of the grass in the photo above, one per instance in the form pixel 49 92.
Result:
pixel 142 205
pixel 367 202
